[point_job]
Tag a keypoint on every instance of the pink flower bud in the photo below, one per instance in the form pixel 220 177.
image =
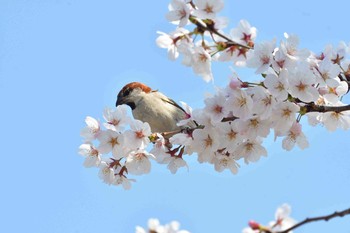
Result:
pixel 254 225
pixel 235 83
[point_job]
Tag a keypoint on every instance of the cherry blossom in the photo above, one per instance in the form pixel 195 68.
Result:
pixel 284 116
pixel 261 57
pixel 327 72
pixel 188 111
pixel 155 226
pixel 179 12
pixel 106 173
pixel 201 63
pixel 205 142
pixel 207 9
pixel 334 120
pixel 137 162
pixel 282 220
pixel 92 155
pixel 92 129
pixel 123 181
pixel 295 136
pixel 243 33
pixel 251 151
pixel 111 141
pixel 174 163
pixel 116 119
pixel 254 127
pixel 216 107
pixel 137 136
pixel 230 135
pixel 263 102
pixel 302 84
pixel 172 41
pixel 222 162
pixel 240 103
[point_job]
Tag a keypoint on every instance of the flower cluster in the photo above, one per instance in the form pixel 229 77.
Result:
pixel 122 147
pixel 294 82
pixel 282 222
pixel 155 227
pixel 237 118
pixel 127 147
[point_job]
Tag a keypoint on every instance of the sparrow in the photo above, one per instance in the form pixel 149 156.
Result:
pixel 153 107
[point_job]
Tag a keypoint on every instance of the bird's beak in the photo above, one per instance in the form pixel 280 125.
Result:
pixel 119 102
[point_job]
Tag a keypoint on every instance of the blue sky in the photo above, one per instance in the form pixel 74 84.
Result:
pixel 61 60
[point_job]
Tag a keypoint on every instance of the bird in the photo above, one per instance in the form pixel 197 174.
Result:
pixel 151 106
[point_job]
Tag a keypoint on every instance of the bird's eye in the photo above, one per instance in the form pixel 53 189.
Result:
pixel 126 92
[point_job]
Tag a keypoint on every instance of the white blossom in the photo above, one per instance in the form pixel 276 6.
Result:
pixel 201 63
pixel 263 102
pixel 295 136
pixel 174 163
pixel 179 12
pixel 91 154
pixel 333 95
pixel 160 149
pixel 251 151
pixel 188 111
pixel 123 181
pixel 111 141
pixel 207 9
pixel 261 56
pixel 240 103
pixel 116 119
pixel 205 143
pixel 172 41
pixel 302 84
pixel 137 136
pixel 106 173
pixel 243 33
pixel 222 162
pixel 334 120
pixel 254 127
pixel 216 107
pixel 284 116
pixel 92 129
pixel 230 136
pixel 137 162
pixel 290 48
pixel 337 55
pixel 277 85
pixel 327 72
pixel 283 220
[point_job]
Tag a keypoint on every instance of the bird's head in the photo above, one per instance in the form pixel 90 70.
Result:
pixel 131 93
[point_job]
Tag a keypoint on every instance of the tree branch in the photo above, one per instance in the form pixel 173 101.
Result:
pixel 321 108
pixel 206 27
pixel 324 218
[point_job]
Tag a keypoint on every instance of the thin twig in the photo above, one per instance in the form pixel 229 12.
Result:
pixel 322 218
pixel 204 27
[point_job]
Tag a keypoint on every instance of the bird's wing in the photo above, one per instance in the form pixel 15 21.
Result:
pixel 172 102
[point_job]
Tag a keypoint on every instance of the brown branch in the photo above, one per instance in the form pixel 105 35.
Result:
pixel 321 108
pixel 209 27
pixel 322 218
